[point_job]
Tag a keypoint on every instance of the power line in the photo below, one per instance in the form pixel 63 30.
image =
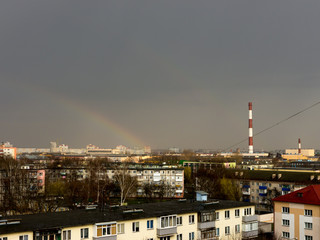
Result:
pixel 276 124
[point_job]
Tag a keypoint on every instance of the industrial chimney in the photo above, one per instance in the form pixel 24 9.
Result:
pixel 250 129
pixel 299 146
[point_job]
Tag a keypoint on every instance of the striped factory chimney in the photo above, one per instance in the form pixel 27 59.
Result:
pixel 250 129
pixel 299 146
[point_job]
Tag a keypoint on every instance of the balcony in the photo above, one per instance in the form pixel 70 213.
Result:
pixel 249 234
pixel 250 218
pixel 246 191
pixel 161 232
pixel 206 225
pixel 114 237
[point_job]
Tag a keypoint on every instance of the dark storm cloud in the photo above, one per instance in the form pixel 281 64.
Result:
pixel 170 72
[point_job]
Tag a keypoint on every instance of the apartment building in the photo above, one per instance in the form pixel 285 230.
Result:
pixel 297 214
pixel 261 186
pixel 169 175
pixel 173 220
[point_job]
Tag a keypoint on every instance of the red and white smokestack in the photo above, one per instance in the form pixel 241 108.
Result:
pixel 250 129
pixel 299 146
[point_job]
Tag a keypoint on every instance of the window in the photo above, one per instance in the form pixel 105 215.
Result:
pixel 106 230
pixel 285 210
pixel 207 234
pixel 179 236
pixel 237 228
pixel 247 211
pixel 191 236
pixel 237 212
pixel 217 231
pixel 217 215
pixel 4 238
pixel 120 228
pixel 66 235
pixel 191 219
pixel 168 221
pixel 308 225
pixel 165 238
pixel 285 234
pixel 227 230
pixel 23 237
pixel 84 233
pixel 150 224
pixel 179 220
pixel 306 237
pixel 308 212
pixel 285 222
pixel 227 214
pixel 206 217
pixel 135 227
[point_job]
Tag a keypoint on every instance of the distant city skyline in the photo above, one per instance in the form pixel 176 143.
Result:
pixel 164 74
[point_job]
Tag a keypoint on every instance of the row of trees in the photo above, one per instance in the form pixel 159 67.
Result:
pixel 19 187
pixel 214 182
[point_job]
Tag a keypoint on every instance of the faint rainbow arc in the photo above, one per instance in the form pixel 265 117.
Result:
pixel 85 111
pixel 99 118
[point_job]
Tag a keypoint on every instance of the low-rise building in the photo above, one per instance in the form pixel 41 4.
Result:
pixel 297 214
pixel 172 220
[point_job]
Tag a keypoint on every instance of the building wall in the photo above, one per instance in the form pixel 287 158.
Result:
pixel 76 232
pixel 15 236
pixel 231 222
pixel 297 220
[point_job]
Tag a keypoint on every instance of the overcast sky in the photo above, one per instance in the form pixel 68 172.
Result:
pixel 159 73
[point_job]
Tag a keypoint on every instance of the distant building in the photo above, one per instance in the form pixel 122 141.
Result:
pixel 7 150
pixel 299 154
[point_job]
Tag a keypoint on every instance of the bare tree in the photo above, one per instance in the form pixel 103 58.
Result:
pixel 126 182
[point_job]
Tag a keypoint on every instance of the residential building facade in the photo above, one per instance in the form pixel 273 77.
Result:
pixel 297 214
pixel 173 220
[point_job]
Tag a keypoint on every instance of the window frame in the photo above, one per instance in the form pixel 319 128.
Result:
pixel 308 225
pixel 308 212
pixel 286 234
pixel 285 210
pixel 66 235
pixel 191 236
pixel 120 226
pixel 237 228
pixel 84 233
pixel 165 221
pixel 191 219
pixel 150 224
pixel 237 213
pixel 135 227
pixel 227 230
pixel 179 220
pixel 105 227
pixel 227 214
pixel 286 222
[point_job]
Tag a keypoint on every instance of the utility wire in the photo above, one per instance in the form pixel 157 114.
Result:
pixel 276 124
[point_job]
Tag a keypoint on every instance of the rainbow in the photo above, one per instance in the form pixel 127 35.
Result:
pixel 86 112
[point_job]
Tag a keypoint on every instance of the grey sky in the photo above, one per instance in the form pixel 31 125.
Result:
pixel 170 73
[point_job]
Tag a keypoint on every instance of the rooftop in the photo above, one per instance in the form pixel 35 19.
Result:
pixel 58 220
pixel 307 195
